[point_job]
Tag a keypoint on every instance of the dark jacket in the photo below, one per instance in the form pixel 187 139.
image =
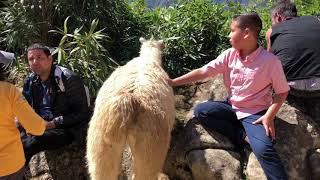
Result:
pixel 296 43
pixel 70 102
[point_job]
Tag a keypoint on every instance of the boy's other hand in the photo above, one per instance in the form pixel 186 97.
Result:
pixel 268 124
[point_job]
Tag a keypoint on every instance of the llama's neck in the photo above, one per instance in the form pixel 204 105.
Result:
pixel 151 54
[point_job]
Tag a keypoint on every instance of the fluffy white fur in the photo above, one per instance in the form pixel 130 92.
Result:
pixel 135 106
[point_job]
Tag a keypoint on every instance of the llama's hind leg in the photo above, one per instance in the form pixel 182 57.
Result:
pixel 149 154
pixel 106 163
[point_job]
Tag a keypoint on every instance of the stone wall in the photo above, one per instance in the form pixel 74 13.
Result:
pixel 198 153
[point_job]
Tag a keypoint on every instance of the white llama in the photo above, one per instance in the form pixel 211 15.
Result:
pixel 135 106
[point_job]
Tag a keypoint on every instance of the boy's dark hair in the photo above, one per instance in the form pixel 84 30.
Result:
pixel 39 46
pixel 285 8
pixel 249 20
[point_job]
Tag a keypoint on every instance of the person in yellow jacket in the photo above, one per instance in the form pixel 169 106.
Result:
pixel 14 106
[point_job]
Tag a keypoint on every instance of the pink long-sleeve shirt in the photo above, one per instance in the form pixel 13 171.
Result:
pixel 251 81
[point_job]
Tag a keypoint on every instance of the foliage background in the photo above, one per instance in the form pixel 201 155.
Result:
pixel 92 37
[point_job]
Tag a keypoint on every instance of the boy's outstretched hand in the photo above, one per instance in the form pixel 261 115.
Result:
pixel 170 82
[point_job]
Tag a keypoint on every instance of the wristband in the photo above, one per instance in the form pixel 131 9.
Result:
pixel 58 121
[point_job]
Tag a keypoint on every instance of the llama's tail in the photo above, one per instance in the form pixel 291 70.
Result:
pixel 121 112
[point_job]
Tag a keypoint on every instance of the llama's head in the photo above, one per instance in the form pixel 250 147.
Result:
pixel 151 48
pixel 152 43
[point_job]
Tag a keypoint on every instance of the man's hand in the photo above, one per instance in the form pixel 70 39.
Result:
pixel 50 125
pixel 268 124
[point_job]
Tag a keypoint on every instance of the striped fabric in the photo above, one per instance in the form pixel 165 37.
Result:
pixel 305 84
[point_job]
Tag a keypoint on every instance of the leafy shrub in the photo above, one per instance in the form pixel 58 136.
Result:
pixel 83 53
pixel 16 29
pixel 195 32
pixel 18 71
pixel 29 21
pixel 308 7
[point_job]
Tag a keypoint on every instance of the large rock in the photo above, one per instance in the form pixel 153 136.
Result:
pixel 199 153
pixel 297 139
pixel 314 162
pixel 253 169
pixel 214 164
pixel 69 163
pixel 64 163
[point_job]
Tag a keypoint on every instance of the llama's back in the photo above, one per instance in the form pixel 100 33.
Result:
pixel 156 108
pixel 147 82
pixel 143 81
pixel 142 87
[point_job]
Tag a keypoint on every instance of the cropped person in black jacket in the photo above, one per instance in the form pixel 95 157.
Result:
pixel 295 41
pixel 59 96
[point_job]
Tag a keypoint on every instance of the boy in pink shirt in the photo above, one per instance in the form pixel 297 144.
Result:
pixel 251 75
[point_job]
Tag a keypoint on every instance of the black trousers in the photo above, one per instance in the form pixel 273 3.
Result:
pixel 51 139
pixel 19 175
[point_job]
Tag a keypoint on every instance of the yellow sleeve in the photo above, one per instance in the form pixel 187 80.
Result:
pixel 28 118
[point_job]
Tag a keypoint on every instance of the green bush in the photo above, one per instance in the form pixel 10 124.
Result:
pixel 83 53
pixel 195 32
pixel 45 15
pixel 29 21
pixel 308 7
pixel 16 29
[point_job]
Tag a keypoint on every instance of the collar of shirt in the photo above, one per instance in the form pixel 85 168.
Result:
pixel 251 57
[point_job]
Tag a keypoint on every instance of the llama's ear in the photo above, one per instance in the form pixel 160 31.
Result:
pixel 142 40
pixel 161 44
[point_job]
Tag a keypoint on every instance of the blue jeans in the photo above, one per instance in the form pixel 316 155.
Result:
pixel 219 116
